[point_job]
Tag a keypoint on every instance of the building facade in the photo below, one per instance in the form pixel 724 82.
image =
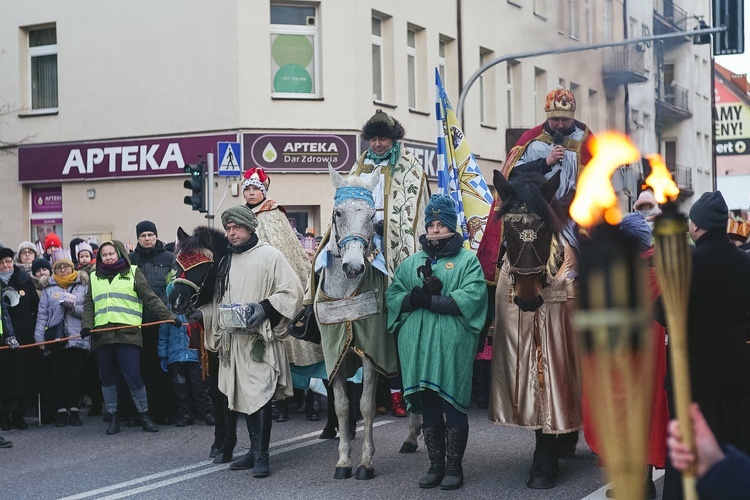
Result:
pixel 104 103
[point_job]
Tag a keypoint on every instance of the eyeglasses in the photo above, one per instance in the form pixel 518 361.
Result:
pixel 147 235
pixel 28 250
pixel 62 267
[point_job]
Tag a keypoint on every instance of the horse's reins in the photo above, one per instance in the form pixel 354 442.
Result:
pixel 527 236
pixel 342 195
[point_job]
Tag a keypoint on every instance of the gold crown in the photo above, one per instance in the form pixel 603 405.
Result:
pixel 738 227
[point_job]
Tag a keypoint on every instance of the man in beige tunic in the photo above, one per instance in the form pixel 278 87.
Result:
pixel 257 294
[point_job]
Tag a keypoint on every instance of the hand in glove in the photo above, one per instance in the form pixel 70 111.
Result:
pixel 255 316
pixel 12 342
pixel 163 364
pixel 378 227
pixel 177 322
pixel 85 332
pixel 69 301
pixel 419 299
pixel 195 316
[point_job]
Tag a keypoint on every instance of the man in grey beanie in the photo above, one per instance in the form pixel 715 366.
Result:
pixel 718 311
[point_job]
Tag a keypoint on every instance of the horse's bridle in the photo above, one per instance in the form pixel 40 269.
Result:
pixel 188 261
pixel 527 236
pixel 344 194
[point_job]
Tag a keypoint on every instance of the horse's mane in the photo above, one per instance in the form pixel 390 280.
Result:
pixel 218 245
pixel 526 197
pixel 355 181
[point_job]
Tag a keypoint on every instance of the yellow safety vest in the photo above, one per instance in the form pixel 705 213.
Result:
pixel 116 302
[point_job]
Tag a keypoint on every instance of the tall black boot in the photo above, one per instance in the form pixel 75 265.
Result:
pixel 114 423
pixel 262 427
pixel 282 408
pixel 566 444
pixel 312 415
pixel 146 423
pixel 434 439
pixel 454 456
pixel 543 474
pixel 248 461
pixel 329 431
pixel 230 436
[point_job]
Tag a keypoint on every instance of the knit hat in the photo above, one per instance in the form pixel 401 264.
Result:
pixel 383 125
pixel 646 204
pixel 6 252
pixel 52 240
pixel 560 103
pixel 84 246
pixel 635 225
pixel 40 263
pixel 145 226
pixel 256 177
pixel 26 245
pixel 710 211
pixel 60 257
pixel 441 207
pixel 240 215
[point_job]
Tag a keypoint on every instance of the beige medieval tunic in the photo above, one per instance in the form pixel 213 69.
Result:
pixel 274 228
pixel 257 274
pixel 536 370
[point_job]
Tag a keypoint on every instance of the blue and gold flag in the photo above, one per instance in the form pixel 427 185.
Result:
pixel 458 173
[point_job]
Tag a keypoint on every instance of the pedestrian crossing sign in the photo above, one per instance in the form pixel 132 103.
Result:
pixel 230 162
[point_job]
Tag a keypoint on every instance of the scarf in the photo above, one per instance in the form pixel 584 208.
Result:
pixel 66 281
pixel 222 274
pixel 391 155
pixel 109 270
pixel 436 248
pixel 5 277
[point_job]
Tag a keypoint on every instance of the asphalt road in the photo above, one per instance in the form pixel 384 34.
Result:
pixel 83 462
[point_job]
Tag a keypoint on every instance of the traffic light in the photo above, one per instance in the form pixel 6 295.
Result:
pixel 197 186
pixel 729 13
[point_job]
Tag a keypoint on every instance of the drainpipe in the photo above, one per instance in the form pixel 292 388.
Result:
pixel 460 45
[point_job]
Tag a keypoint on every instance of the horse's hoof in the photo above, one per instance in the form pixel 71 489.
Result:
pixel 343 473
pixel 364 473
pixel 408 447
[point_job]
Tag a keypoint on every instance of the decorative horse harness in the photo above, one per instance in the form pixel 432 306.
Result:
pixel 344 194
pixel 528 235
pixel 187 261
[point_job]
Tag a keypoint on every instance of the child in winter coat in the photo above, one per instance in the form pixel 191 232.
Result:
pixel 179 355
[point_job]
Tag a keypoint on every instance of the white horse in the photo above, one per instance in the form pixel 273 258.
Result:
pixel 349 308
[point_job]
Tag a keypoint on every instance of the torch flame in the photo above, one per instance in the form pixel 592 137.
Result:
pixel 660 180
pixel 595 198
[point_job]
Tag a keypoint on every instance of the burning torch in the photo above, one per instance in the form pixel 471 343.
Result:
pixel 614 321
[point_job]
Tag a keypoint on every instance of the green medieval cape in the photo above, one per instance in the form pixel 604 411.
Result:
pixel 437 350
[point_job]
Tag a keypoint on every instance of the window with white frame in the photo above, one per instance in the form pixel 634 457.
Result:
pixel 441 59
pixel 43 67
pixel 540 8
pixel 540 93
pixel 562 15
pixel 608 20
pixel 487 89
pixel 295 55
pixel 377 59
pixel 511 72
pixel 573 19
pixel 411 66
pixel 589 7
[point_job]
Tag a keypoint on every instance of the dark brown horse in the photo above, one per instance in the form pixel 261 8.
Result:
pixel 531 224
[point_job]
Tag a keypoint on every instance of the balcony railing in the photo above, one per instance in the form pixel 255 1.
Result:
pixel 674 102
pixel 670 16
pixel 683 177
pixel 625 64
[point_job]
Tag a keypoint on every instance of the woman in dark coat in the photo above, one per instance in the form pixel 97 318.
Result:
pixel 20 370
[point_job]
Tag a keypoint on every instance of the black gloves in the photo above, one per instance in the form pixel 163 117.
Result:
pixel 195 316
pixel 85 332
pixel 379 228
pixel 177 322
pixel 419 299
pixel 256 317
